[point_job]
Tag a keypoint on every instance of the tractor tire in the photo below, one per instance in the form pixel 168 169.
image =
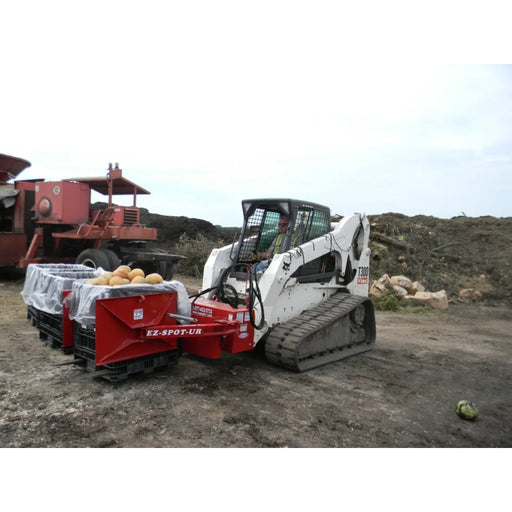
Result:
pixel 94 258
pixel 113 258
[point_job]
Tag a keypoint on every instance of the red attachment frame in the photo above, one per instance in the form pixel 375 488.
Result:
pixel 135 326
pixel 210 310
pixel 67 323
pixel 119 324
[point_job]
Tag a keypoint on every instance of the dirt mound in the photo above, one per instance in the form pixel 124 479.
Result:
pixel 171 228
pixel 450 254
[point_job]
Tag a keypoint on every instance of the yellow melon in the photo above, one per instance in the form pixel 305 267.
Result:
pixel 121 272
pixel 154 278
pixel 138 280
pixel 99 281
pixel 107 276
pixel 118 280
pixel 135 272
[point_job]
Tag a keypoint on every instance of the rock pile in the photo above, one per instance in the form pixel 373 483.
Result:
pixel 403 288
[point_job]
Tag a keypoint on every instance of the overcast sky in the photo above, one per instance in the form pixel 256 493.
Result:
pixel 372 109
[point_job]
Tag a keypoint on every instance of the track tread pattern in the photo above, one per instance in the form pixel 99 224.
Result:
pixel 300 345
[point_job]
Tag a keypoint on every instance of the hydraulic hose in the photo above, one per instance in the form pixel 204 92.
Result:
pixel 254 293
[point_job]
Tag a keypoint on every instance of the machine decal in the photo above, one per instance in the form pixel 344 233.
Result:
pixel 362 275
pixel 138 314
pixel 203 311
pixel 173 332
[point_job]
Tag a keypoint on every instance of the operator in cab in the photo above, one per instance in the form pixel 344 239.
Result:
pixel 277 244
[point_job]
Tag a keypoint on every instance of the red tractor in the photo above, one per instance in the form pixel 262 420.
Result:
pixel 52 221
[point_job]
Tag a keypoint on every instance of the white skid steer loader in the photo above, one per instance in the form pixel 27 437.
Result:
pixel 308 299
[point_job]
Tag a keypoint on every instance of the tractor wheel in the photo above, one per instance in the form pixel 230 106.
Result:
pixel 113 258
pixel 94 258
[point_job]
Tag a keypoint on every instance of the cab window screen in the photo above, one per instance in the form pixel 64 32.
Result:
pixel 261 229
pixel 311 224
pixel 269 231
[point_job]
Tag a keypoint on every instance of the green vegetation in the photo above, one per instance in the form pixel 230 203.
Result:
pixel 388 303
pixel 196 251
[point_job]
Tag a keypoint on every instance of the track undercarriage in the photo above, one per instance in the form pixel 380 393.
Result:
pixel 342 326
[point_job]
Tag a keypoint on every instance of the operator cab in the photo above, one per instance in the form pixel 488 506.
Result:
pixel 261 226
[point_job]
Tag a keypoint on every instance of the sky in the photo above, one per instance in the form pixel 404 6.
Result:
pixel 373 107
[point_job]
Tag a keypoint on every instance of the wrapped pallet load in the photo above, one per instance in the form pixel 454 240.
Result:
pixel 44 284
pixel 82 300
pixel 43 292
pixel 108 346
pixel 39 276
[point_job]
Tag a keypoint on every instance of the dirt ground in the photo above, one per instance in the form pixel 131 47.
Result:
pixel 403 393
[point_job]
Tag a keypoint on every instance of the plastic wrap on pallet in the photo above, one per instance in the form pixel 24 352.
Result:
pixel 82 299
pixel 44 284
pixel 35 270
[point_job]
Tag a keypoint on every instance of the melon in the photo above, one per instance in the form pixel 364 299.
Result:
pixel 135 272
pixel 99 281
pixel 466 410
pixel 121 271
pixel 117 280
pixel 154 278
pixel 138 280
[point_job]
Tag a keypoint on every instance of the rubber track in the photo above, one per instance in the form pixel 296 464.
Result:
pixel 286 341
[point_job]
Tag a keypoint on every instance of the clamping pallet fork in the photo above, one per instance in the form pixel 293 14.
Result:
pixel 120 330
pixel 139 333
